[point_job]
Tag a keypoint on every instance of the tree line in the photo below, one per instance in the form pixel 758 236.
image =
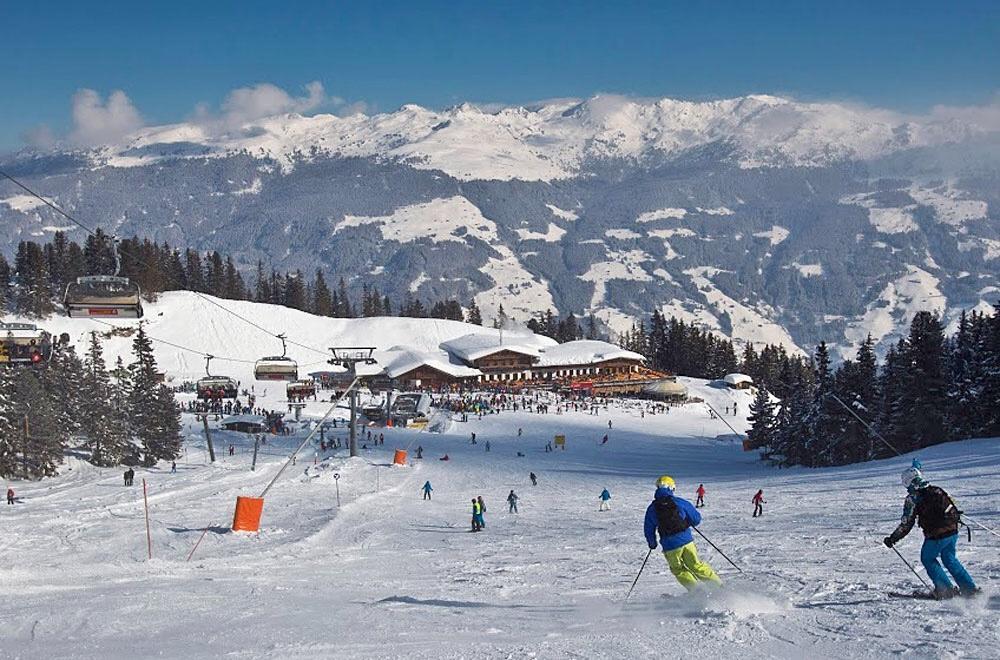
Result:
pixel 930 388
pixel 41 272
pixel 122 416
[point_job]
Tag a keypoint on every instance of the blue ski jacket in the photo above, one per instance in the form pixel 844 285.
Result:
pixel 674 541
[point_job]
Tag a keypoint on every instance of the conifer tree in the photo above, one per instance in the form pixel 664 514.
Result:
pixel 761 419
pixel 102 424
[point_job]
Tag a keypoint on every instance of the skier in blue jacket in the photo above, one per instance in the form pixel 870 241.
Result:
pixel 673 517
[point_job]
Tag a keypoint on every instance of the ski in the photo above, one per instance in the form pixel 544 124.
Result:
pixel 916 595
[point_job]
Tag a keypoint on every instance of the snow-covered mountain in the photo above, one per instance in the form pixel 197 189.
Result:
pixel 766 218
pixel 555 141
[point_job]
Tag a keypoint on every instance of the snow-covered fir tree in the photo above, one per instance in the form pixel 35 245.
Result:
pixel 154 419
pixel 103 424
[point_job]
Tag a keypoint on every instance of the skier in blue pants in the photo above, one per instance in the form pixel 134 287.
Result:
pixel 938 516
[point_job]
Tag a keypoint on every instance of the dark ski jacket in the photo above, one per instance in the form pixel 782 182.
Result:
pixel 686 511
pixel 916 509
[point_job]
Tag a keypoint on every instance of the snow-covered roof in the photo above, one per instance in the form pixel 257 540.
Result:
pixel 398 362
pixel 585 351
pixel 476 345
pixel 243 419
pixel 737 379
pixel 665 388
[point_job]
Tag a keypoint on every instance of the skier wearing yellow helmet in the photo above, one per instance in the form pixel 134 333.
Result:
pixel 673 517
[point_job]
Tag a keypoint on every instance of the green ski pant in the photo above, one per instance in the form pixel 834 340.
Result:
pixel 687 568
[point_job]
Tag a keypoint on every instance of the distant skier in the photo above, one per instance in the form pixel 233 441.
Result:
pixel 605 500
pixel 487 445
pixel 482 510
pixel 534 479
pixel 173 467
pixel 673 517
pixel 444 458
pixel 605 440
pixel 519 432
pixel 512 502
pixel 10 495
pixel 700 502
pixel 477 515
pixel 609 423
pixel 938 516
pixel 420 452
pixel 427 490
pixel 473 437
pixel 758 504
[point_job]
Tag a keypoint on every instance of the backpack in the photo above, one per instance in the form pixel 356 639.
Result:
pixel 669 520
pixel 936 510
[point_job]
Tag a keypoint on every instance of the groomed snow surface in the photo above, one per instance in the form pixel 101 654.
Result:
pixel 386 574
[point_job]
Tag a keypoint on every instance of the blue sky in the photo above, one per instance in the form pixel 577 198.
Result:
pixel 169 57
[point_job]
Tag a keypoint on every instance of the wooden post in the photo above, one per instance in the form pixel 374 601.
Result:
pixel 149 537
pixel 208 439
pixel 256 443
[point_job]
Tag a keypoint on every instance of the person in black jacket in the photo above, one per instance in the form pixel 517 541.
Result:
pixel 934 510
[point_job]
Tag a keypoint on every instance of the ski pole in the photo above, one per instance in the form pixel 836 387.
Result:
pixel 910 566
pixel 717 549
pixel 641 569
pixel 981 526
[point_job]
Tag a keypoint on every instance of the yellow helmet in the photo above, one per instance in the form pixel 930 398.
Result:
pixel 666 482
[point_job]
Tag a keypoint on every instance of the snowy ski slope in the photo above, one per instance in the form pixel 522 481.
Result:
pixel 387 575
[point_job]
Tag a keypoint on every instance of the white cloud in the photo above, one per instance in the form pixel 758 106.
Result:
pixel 248 104
pixel 39 137
pixel 96 121
pixel 985 117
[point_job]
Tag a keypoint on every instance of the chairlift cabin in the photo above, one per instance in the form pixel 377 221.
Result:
pixel 103 296
pixel 24 344
pixel 216 388
pixel 276 367
pixel 301 388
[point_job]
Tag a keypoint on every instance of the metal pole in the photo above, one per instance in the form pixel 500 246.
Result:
pixel 354 422
pixel 641 569
pixel 336 480
pixel 208 438
pixel 910 566
pixel 205 531
pixel 981 526
pixel 256 443
pixel 309 437
pixel 149 536
pixel 716 548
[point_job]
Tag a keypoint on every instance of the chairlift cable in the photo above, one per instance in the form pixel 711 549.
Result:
pixel 115 241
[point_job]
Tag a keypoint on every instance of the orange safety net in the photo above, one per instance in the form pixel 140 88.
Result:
pixel 247 517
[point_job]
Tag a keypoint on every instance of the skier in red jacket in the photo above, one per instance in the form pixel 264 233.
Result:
pixel 10 496
pixel 700 502
pixel 758 502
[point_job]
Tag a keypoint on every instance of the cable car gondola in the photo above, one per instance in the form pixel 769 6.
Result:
pixel 104 295
pixel 277 367
pixel 24 344
pixel 216 388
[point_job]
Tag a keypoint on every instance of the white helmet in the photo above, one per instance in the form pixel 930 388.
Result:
pixel 910 475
